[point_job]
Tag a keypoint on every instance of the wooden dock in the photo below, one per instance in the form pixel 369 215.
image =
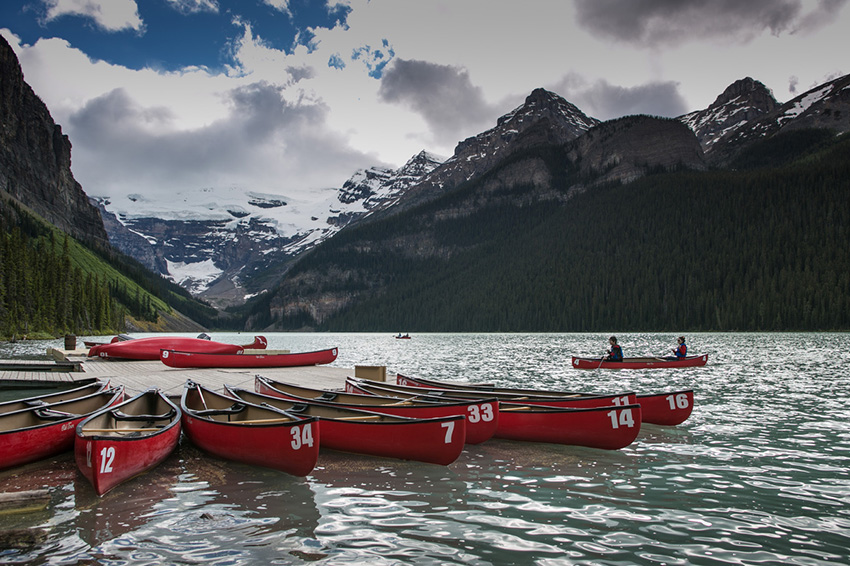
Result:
pixel 136 376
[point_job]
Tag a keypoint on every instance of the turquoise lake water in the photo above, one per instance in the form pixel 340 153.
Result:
pixel 759 474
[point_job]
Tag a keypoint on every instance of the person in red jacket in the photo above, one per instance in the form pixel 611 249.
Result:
pixel 681 350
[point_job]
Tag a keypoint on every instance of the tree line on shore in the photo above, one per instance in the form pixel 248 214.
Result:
pixel 762 248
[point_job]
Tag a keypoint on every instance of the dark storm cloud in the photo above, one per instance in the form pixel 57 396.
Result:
pixel 442 94
pixel 264 140
pixel 654 22
pixel 605 101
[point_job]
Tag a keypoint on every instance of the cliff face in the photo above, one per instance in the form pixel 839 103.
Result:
pixel 629 148
pixel 35 158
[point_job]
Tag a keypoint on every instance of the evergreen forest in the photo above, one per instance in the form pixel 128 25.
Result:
pixel 764 246
pixel 51 285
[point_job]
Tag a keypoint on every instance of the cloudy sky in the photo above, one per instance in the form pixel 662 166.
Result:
pixel 280 96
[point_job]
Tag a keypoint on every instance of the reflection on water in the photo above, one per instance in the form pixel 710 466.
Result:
pixel 757 475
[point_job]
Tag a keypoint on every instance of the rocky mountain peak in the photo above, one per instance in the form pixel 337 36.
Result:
pixel 544 118
pixel 750 89
pixel 742 102
pixel 35 158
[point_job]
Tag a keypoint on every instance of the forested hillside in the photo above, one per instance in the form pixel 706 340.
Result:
pixel 763 247
pixel 50 284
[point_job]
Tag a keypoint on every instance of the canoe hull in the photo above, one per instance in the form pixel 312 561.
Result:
pixel 434 440
pixel 87 387
pixel 149 348
pixel 48 438
pixel 640 363
pixel 183 359
pixel 482 417
pixel 543 398
pixel 291 446
pixel 108 461
pixel 667 409
pixel 609 428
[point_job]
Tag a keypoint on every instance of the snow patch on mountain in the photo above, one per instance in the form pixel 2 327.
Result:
pixel 802 104
pixel 207 234
pixel 195 276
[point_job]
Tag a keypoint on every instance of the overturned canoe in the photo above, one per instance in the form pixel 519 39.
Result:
pixel 640 363
pixel 149 348
pixel 120 442
pixel 182 359
pixel 40 432
pixel 482 415
pixel 438 440
pixel 235 430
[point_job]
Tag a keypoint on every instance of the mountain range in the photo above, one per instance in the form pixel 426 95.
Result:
pixel 228 244
pixel 232 245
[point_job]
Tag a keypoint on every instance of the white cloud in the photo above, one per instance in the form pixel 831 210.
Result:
pixel 281 5
pixel 194 6
pixel 308 117
pixel 111 15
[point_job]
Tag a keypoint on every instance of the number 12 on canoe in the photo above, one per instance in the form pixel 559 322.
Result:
pixel 107 456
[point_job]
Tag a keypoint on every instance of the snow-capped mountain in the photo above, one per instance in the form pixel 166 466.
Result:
pixel 224 244
pixel 742 102
pixel 213 240
pixel 544 117
pixel 746 112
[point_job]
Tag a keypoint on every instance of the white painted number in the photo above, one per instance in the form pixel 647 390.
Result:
pixel 107 456
pixel 620 401
pixel 623 419
pixel 450 427
pixel 302 437
pixel 481 413
pixel 679 401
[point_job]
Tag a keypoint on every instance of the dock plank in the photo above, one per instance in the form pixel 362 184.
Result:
pixel 136 376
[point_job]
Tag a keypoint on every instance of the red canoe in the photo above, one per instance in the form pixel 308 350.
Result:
pixel 544 398
pixel 436 440
pixel 640 363
pixel 610 428
pixel 83 387
pixel 181 359
pixel 670 408
pixel 34 434
pixel 120 442
pixel 232 429
pixel 148 348
pixel 482 416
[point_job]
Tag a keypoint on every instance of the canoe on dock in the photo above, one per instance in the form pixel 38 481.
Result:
pixel 438 440
pixel 120 442
pixel 482 415
pixel 149 348
pixel 79 389
pixel 37 433
pixel 666 408
pixel 546 398
pixel 235 430
pixel 609 428
pixel 182 359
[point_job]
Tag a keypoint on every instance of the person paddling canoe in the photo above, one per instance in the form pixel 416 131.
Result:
pixel 615 353
pixel 681 351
